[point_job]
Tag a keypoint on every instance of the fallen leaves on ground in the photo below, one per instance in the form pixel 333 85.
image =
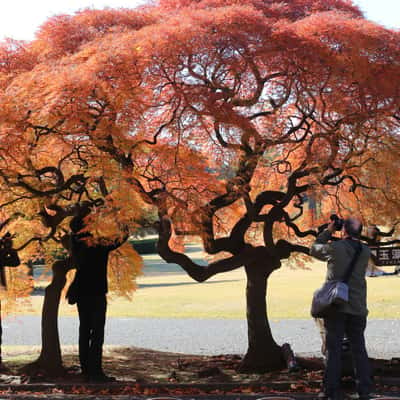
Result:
pixel 152 373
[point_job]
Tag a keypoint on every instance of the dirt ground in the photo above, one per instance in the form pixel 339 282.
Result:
pixel 144 366
pixel 152 372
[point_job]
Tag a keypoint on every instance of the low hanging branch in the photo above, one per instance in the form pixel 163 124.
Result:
pixel 198 272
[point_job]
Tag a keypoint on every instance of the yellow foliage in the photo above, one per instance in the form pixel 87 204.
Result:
pixel 124 266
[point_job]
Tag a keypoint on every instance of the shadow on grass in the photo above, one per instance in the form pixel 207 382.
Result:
pixel 150 285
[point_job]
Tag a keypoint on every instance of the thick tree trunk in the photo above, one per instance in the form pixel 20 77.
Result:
pixel 49 362
pixel 263 353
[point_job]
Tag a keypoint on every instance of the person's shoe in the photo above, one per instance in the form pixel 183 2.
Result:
pixel 356 396
pixel 101 378
pixel 366 396
pixel 326 395
pixel 353 396
pixel 336 396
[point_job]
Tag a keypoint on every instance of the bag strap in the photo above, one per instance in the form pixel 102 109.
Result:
pixel 350 269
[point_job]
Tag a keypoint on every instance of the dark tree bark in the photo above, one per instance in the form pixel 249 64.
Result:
pixel 49 362
pixel 263 353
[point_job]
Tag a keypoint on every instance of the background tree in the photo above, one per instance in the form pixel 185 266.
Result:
pixel 47 180
pixel 233 121
pixel 53 245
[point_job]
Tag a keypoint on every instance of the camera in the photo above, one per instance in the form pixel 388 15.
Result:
pixel 337 222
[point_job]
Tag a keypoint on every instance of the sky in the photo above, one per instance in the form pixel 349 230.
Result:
pixel 19 19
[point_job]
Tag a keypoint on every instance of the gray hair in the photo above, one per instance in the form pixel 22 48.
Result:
pixel 353 227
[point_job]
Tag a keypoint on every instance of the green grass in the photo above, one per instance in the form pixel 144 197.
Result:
pixel 166 292
pixel 291 292
pixel 144 246
pixel 289 296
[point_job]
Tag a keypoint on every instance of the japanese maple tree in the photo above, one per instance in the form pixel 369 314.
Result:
pixel 243 124
pixel 295 102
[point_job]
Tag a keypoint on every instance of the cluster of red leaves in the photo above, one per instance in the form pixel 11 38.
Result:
pixel 305 380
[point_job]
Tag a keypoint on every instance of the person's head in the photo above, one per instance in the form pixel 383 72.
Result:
pixel 352 227
pixel 76 224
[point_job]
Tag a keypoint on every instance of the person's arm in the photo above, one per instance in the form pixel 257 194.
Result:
pixel 321 249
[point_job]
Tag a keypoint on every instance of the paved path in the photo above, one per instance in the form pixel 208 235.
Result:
pixel 201 336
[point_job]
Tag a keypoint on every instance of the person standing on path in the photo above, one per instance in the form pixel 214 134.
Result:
pixel 350 318
pixel 8 258
pixel 88 290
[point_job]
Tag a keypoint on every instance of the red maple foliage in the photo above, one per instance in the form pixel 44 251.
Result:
pixel 244 124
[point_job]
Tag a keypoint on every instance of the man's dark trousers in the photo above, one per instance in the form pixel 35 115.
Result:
pixel 353 326
pixel 92 319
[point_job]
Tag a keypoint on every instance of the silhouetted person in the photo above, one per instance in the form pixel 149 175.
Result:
pixel 88 290
pixel 8 258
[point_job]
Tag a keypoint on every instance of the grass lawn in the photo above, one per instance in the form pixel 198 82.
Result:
pixel 166 292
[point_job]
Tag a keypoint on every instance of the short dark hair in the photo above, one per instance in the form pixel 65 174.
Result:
pixel 76 224
pixel 353 227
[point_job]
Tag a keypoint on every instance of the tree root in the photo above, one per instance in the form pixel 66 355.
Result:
pixel 254 363
pixel 38 369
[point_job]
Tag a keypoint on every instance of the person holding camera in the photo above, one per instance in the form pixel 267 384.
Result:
pixel 350 318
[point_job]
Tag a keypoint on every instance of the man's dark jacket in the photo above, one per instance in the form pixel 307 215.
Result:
pixel 339 254
pixel 91 267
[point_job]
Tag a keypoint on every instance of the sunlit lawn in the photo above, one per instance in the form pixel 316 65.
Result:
pixel 168 293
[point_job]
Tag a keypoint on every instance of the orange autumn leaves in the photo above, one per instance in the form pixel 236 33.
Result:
pixel 184 102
